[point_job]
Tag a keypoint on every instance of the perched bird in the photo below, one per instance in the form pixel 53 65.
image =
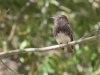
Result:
pixel 62 31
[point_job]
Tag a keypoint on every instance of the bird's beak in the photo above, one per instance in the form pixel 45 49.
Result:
pixel 52 18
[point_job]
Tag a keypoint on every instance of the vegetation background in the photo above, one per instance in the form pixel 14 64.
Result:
pixel 27 24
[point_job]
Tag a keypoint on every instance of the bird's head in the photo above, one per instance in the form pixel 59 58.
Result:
pixel 59 18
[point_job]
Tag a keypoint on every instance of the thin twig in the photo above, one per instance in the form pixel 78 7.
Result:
pixel 9 68
pixel 98 29
pixel 56 3
pixel 6 11
pixel 3 16
pixel 18 51
pixel 89 34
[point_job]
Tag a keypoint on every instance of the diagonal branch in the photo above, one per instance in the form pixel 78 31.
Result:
pixel 16 19
pixel 60 6
pixel 4 15
pixel 9 68
pixel 18 51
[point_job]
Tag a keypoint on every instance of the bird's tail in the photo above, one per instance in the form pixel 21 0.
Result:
pixel 69 49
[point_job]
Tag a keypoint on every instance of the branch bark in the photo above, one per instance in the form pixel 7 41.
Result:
pixel 18 51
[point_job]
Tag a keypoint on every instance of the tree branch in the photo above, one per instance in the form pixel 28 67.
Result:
pixel 18 51
pixel 10 68
pixel 16 17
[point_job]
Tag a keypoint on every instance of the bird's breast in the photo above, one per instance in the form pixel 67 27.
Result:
pixel 62 38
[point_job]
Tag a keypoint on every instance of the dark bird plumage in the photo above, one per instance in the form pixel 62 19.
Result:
pixel 62 31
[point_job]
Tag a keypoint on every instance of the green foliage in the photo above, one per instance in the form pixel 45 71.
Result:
pixel 34 29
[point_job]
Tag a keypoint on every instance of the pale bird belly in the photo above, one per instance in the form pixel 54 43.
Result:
pixel 62 38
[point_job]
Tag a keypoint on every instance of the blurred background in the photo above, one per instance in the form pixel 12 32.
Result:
pixel 27 24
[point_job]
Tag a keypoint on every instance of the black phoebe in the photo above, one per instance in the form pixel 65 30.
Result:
pixel 62 31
